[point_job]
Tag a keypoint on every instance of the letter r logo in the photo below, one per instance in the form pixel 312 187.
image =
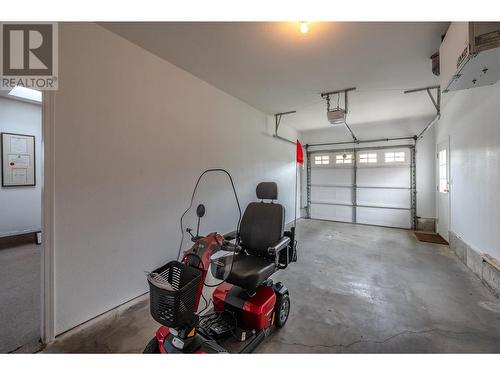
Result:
pixel 27 49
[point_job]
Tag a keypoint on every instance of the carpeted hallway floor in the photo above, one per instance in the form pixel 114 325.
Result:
pixel 20 301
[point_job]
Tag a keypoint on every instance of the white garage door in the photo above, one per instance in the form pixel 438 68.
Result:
pixel 362 186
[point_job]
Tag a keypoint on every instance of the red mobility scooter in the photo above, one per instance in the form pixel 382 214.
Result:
pixel 247 304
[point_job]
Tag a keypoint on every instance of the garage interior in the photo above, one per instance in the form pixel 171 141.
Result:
pixel 399 143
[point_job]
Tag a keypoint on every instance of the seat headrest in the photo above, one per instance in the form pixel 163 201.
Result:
pixel 267 190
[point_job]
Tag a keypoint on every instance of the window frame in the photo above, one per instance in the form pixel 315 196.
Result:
pixel 324 159
pixel 370 159
pixel 443 181
pixel 348 160
pixel 393 159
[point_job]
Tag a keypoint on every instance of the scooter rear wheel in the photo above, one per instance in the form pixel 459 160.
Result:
pixel 281 310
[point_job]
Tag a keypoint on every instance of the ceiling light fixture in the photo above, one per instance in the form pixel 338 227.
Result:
pixel 304 27
pixel 26 93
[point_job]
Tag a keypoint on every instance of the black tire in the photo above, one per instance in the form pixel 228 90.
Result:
pixel 281 310
pixel 152 347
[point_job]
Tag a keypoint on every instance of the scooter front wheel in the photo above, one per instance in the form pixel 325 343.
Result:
pixel 152 347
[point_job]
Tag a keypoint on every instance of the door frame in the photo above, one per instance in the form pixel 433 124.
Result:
pixel 48 287
pixel 443 141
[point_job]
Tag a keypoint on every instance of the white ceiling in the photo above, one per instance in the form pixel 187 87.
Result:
pixel 275 68
pixel 5 94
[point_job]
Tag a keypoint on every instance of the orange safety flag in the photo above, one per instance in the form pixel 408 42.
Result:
pixel 300 153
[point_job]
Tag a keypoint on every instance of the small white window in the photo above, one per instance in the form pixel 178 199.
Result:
pixel 322 160
pixel 343 159
pixel 443 172
pixel 368 158
pixel 395 157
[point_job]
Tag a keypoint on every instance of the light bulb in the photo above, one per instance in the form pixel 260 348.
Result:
pixel 304 28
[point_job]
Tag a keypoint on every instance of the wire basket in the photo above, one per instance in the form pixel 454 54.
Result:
pixel 173 290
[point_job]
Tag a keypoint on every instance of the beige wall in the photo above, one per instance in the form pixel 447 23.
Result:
pixel 132 133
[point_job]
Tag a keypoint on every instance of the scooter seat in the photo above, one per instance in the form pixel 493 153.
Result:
pixel 261 228
pixel 249 272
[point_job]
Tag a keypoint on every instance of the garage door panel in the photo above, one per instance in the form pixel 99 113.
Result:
pixel 383 192
pixel 331 194
pixel 384 197
pixel 384 216
pixel 331 212
pixel 384 176
pixel 331 176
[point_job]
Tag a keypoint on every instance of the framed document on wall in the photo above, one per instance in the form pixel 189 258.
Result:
pixel 18 160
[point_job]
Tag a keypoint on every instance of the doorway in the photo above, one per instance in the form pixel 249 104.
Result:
pixel 20 220
pixel 443 188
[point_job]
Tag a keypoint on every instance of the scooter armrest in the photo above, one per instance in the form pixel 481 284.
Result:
pixel 230 236
pixel 274 250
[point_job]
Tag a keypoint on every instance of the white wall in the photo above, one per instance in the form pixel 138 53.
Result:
pixel 132 133
pixel 471 120
pixel 402 128
pixel 21 206
pixel 426 174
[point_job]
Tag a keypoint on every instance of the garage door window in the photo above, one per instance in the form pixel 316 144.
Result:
pixel 343 159
pixel 395 157
pixel 322 160
pixel 368 158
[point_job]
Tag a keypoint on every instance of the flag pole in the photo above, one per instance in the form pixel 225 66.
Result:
pixel 299 159
pixel 296 178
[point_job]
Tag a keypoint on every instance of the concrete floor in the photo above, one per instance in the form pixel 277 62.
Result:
pixel 126 329
pixel 355 289
pixel 20 298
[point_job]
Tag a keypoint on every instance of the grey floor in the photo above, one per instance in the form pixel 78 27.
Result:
pixel 20 301
pixel 355 289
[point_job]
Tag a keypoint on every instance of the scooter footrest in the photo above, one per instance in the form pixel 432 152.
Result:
pixel 217 325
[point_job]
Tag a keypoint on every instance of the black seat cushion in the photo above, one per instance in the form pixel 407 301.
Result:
pixel 249 272
pixel 261 227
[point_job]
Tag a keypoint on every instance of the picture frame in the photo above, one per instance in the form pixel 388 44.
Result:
pixel 18 159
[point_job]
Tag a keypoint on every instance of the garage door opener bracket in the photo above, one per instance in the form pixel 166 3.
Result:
pixel 436 101
pixel 277 121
